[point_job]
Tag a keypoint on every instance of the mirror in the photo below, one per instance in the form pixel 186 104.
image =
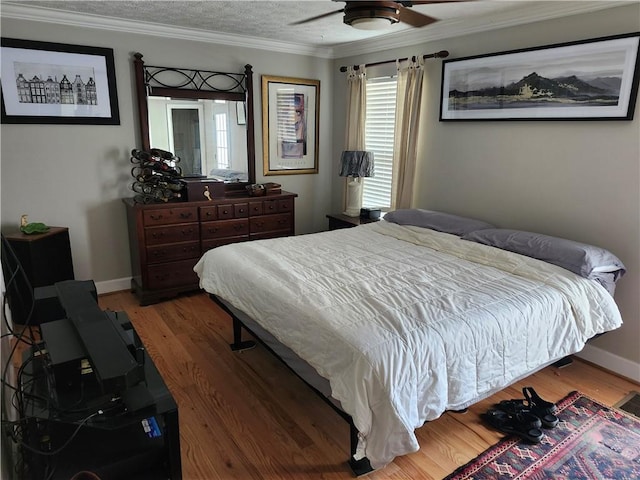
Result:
pixel 203 117
pixel 209 136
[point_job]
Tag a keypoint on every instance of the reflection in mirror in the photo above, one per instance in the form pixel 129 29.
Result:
pixel 206 135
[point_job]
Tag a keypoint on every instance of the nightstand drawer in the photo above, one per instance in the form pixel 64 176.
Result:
pixel 172 233
pixel 225 228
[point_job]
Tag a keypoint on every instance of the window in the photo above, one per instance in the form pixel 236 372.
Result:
pixel 222 140
pixel 379 137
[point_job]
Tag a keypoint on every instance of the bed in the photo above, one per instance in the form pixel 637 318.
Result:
pixel 398 321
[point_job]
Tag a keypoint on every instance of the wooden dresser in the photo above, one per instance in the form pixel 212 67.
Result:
pixel 166 240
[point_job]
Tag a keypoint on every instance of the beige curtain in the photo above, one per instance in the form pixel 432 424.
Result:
pixel 356 108
pixel 409 99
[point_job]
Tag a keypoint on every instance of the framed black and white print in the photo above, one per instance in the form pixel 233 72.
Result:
pixel 593 79
pixel 55 83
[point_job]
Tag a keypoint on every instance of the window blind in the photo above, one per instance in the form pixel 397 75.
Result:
pixel 379 136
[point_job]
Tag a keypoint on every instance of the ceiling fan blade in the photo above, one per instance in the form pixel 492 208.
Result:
pixel 317 17
pixel 415 19
pixel 427 2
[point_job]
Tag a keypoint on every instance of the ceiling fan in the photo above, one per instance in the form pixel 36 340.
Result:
pixel 381 14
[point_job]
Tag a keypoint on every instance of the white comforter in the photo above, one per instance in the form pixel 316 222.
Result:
pixel 405 322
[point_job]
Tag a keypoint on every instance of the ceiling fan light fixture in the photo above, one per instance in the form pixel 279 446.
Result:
pixel 371 15
pixel 371 23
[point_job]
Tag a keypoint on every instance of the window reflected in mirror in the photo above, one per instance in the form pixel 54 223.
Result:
pixel 209 136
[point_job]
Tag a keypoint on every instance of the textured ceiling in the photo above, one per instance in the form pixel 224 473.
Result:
pixel 271 20
pixel 266 19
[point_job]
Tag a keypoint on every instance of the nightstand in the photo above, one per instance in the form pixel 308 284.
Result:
pixel 45 259
pixel 339 220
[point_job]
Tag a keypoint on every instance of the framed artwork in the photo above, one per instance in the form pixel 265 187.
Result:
pixel 290 125
pixel 55 83
pixel 587 80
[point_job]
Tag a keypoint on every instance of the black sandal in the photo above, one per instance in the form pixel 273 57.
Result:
pixel 534 405
pixel 534 399
pixel 513 424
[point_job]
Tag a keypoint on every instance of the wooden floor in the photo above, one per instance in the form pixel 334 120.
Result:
pixel 246 416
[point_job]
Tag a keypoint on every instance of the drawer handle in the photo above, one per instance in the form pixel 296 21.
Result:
pixel 241 210
pixel 213 230
pixel 238 227
pixel 271 207
pixel 155 217
pixel 158 253
pixel 225 212
pixel 208 214
pixel 185 215
pixel 187 232
pixel 157 235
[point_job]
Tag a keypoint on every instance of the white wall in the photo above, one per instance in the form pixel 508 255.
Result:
pixel 76 176
pixel 579 180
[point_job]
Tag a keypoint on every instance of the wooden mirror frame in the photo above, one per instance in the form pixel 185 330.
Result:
pixel 196 84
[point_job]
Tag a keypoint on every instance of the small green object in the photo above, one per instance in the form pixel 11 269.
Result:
pixel 35 227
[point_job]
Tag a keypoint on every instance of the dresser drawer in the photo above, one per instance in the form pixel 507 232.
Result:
pixel 165 216
pixel 208 214
pixel 177 251
pixel 172 233
pixel 172 274
pixel 268 223
pixel 233 210
pixel 268 207
pixel 256 208
pixel 225 228
pixel 218 242
pixel 285 205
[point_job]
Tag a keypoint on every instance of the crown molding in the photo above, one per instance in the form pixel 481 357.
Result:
pixel 84 20
pixel 455 28
pixel 529 13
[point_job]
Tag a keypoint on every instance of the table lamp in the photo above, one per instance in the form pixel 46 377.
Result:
pixel 355 164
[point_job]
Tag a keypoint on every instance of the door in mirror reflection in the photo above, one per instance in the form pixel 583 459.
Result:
pixel 184 138
pixel 203 133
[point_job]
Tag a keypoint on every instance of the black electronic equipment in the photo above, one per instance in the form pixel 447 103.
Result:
pixel 94 396
pixel 370 213
pixel 88 334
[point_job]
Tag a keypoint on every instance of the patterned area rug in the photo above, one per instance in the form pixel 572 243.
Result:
pixel 590 442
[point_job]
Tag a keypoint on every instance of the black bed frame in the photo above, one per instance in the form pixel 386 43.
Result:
pixel 359 467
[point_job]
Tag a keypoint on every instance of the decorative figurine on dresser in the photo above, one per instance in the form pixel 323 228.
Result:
pixel 189 199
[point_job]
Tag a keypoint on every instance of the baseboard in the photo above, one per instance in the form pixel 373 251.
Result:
pixel 115 285
pixel 610 361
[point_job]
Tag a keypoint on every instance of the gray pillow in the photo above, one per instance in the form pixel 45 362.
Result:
pixel 440 221
pixel 585 260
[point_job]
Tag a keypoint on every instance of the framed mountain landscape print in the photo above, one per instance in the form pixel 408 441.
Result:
pixel 587 80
